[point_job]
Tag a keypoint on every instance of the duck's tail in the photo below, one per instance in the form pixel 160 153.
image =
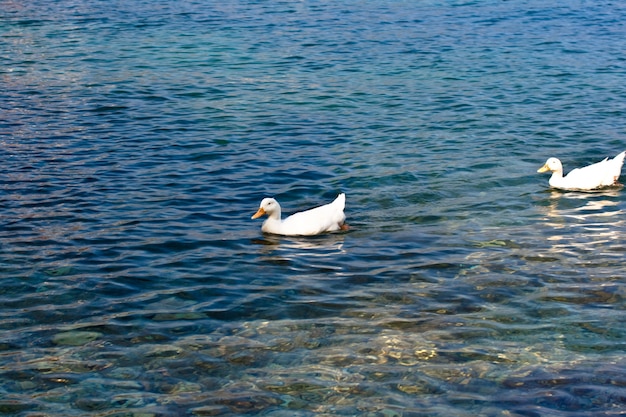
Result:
pixel 340 201
pixel 617 164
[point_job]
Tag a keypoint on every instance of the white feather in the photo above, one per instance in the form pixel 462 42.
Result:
pixel 326 218
pixel 600 174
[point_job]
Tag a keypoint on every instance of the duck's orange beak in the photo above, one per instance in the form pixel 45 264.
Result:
pixel 259 213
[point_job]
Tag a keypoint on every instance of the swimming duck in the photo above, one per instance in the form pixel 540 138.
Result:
pixel 326 218
pixel 600 174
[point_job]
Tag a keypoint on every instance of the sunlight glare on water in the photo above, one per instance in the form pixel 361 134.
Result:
pixel 139 137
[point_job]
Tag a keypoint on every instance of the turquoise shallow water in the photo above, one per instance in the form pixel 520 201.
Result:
pixel 139 137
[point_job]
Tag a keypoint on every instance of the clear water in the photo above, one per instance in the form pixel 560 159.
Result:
pixel 137 139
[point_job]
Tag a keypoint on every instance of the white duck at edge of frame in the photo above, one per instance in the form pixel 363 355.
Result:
pixel 601 174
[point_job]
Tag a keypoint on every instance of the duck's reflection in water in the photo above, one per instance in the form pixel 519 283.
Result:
pixel 327 245
pixel 580 222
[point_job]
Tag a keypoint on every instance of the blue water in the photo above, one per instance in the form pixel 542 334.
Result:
pixel 137 138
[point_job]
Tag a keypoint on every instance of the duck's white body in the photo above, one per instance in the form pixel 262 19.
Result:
pixel 600 174
pixel 326 218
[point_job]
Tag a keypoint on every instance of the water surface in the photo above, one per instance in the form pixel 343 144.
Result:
pixel 139 137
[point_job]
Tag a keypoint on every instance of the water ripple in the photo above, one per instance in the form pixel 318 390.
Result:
pixel 138 140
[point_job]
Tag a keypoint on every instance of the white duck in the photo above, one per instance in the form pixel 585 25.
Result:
pixel 326 218
pixel 600 174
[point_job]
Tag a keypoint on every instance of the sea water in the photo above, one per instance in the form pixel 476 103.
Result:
pixel 137 138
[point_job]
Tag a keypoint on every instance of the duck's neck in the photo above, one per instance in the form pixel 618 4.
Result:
pixel 556 178
pixel 273 223
pixel 275 215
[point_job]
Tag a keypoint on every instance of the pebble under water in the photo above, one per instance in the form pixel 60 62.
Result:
pixel 137 139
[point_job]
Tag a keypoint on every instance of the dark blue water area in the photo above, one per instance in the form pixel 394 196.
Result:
pixel 138 138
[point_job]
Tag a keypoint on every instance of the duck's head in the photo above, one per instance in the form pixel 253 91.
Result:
pixel 268 207
pixel 552 165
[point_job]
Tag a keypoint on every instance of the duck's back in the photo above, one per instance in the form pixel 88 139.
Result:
pixel 601 174
pixel 326 218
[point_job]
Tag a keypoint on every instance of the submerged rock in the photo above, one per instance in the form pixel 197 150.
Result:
pixel 210 410
pixel 60 271
pixel 14 406
pixel 75 338
pixel 91 404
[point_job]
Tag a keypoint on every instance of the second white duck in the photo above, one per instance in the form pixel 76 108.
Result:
pixel 600 174
pixel 327 218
